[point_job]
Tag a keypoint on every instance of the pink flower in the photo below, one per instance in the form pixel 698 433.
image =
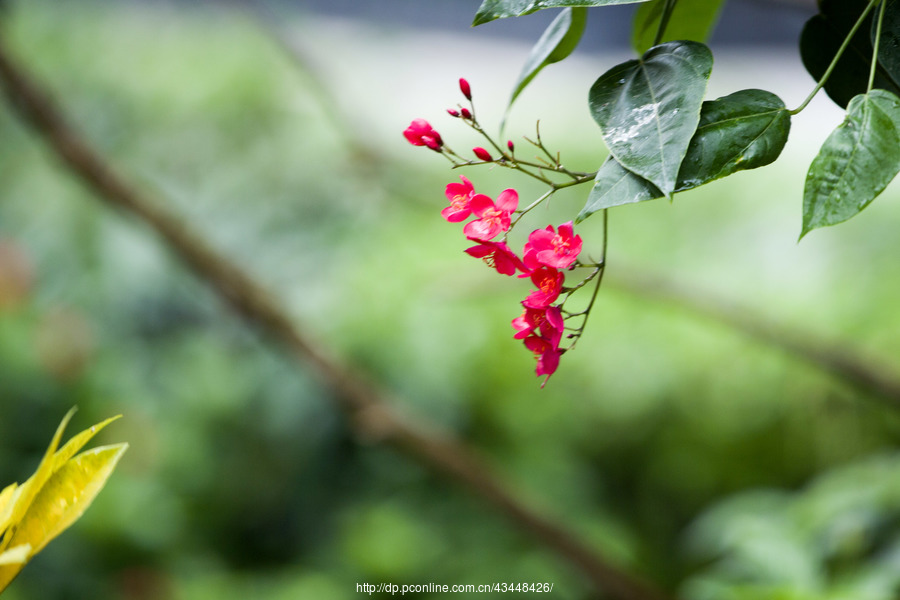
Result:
pixel 482 154
pixel 421 133
pixel 465 89
pixel 497 255
pixel 492 219
pixel 549 284
pixel 547 353
pixel 552 249
pixel 459 195
pixel 465 113
pixel 548 322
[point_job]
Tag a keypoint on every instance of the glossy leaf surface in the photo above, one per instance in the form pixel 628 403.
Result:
pixel 856 162
pixel 500 9
pixel 690 20
pixel 649 108
pixel 744 130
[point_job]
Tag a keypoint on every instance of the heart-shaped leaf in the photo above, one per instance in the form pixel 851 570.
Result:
pixel 823 35
pixel 744 130
pixel 557 42
pixel 500 9
pixel 690 20
pixel 856 162
pixel 648 109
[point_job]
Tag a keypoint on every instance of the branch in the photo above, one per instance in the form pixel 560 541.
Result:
pixel 834 358
pixel 367 408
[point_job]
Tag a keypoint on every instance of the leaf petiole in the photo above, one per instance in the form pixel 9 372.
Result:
pixel 664 21
pixel 837 57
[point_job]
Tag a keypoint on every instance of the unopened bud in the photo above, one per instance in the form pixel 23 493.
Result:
pixel 465 113
pixel 465 89
pixel 482 154
pixel 452 112
pixel 511 146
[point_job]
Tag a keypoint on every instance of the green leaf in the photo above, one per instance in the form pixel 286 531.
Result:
pixel 500 9
pixel 557 42
pixel 690 20
pixel 820 39
pixel 615 185
pixel 744 130
pixel 856 162
pixel 649 108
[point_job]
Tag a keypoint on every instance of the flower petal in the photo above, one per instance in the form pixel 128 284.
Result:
pixel 508 200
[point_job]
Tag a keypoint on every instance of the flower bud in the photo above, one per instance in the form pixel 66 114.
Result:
pixel 482 154
pixel 511 147
pixel 465 89
pixel 465 113
pixel 452 112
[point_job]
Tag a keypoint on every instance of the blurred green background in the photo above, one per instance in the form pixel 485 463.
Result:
pixel 713 464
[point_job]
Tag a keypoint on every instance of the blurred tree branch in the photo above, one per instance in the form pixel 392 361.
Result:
pixel 838 359
pixel 368 409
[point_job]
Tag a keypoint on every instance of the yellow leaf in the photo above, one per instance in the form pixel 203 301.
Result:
pixel 7 502
pixel 78 441
pixel 16 555
pixel 62 500
pixel 28 490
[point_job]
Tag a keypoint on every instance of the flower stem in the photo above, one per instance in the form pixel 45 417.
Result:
pixel 598 273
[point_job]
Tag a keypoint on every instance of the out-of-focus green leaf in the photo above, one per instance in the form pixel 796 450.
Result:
pixel 649 108
pixel 856 162
pixel 690 20
pixel 500 9
pixel 823 35
pixel 744 130
pixel 557 42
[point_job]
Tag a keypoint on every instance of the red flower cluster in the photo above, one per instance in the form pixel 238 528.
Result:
pixel 545 256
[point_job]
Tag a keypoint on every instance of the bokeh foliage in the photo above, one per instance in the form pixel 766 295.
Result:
pixel 241 481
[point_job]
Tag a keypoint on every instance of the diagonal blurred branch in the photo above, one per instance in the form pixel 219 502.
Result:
pixel 367 408
pixel 317 85
pixel 837 359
